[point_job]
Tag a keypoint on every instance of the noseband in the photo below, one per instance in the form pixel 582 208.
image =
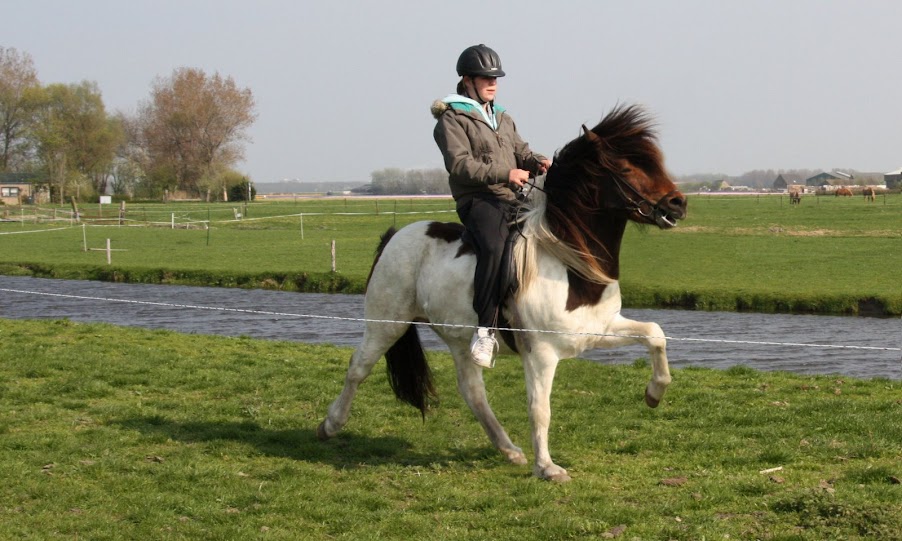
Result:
pixel 644 206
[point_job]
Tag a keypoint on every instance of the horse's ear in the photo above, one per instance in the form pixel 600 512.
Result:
pixel 590 135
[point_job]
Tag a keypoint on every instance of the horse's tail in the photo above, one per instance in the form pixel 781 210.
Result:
pixel 383 242
pixel 408 372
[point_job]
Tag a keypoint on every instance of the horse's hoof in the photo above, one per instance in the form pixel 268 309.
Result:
pixel 554 474
pixel 516 457
pixel 651 401
pixel 559 478
pixel 321 434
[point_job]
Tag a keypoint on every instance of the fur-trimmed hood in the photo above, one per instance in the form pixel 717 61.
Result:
pixel 462 103
pixel 438 107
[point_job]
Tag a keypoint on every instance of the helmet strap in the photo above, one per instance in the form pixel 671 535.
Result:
pixel 472 85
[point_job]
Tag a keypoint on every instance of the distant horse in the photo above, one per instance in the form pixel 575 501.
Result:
pixel 568 299
pixel 795 198
pixel 845 192
pixel 870 195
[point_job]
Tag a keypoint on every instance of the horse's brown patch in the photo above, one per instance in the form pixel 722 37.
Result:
pixel 450 232
pixel 582 292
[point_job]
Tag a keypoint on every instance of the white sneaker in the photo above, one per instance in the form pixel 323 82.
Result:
pixel 483 347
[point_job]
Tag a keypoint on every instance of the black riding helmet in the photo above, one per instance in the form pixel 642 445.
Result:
pixel 479 60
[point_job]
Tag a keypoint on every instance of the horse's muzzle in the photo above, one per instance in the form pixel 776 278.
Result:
pixel 669 209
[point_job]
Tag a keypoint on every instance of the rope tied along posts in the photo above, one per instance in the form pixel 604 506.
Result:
pixel 449 325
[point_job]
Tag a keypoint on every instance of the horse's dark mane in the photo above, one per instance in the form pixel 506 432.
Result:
pixel 583 172
pixel 626 133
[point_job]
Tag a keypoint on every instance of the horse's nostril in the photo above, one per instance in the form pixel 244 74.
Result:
pixel 678 205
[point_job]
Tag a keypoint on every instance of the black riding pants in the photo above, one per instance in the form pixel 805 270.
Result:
pixel 487 220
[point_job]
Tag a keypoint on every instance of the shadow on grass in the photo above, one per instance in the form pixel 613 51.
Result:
pixel 345 451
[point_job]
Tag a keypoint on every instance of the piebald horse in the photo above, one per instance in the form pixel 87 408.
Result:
pixel 568 299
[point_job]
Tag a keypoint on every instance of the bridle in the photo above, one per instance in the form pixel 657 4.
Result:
pixel 644 206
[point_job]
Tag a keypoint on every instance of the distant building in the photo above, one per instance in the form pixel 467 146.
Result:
pixel 830 178
pixel 16 188
pixel 893 179
pixel 785 180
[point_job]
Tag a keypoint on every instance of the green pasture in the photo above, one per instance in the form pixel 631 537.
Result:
pixel 110 433
pixel 756 253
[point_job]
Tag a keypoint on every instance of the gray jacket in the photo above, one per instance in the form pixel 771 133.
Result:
pixel 477 156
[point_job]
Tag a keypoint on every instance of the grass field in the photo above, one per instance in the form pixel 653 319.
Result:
pixel 111 433
pixel 827 255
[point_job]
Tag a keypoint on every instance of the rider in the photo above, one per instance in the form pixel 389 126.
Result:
pixel 486 160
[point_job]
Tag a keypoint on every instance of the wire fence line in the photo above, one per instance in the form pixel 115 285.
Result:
pixel 35 231
pixel 446 325
pixel 185 218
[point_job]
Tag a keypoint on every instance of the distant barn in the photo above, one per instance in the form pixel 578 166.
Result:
pixel 830 178
pixel 893 179
pixel 785 180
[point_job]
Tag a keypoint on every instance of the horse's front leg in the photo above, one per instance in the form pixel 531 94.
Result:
pixel 539 370
pixel 651 335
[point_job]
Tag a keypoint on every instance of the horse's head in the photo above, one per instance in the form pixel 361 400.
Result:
pixel 616 167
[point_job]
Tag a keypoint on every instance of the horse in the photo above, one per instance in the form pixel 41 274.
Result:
pixel 567 271
pixel 795 198
pixel 845 192
pixel 870 194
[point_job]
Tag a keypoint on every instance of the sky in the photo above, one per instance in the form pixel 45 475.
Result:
pixel 343 88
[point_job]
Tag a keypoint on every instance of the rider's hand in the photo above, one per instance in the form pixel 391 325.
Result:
pixel 544 165
pixel 518 177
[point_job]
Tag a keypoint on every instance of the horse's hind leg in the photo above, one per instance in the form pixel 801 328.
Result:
pixel 375 343
pixel 472 388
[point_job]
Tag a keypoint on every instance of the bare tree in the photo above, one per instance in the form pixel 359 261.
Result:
pixel 193 128
pixel 18 88
pixel 131 161
pixel 393 180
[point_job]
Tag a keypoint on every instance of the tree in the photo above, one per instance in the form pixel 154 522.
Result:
pixel 388 181
pixel 130 162
pixel 243 190
pixel 94 135
pixel 19 87
pixel 74 137
pixel 395 181
pixel 193 127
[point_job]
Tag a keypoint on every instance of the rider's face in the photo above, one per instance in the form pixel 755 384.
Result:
pixel 485 87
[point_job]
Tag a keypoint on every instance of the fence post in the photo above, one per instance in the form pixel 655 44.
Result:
pixel 302 226
pixel 172 221
pixel 75 210
pixel 84 237
pixel 109 259
pixel 333 255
